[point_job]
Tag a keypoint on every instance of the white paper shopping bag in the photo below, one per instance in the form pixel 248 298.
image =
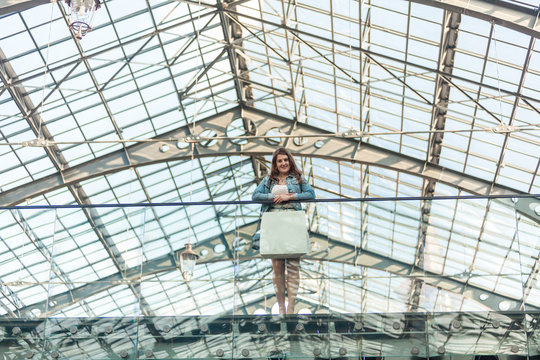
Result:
pixel 284 234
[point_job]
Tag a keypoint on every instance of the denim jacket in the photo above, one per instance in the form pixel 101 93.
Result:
pixel 302 191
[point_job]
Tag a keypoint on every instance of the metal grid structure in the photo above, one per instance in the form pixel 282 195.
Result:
pixel 177 101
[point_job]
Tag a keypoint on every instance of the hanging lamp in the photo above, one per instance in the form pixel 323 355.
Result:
pixel 187 260
pixel 81 15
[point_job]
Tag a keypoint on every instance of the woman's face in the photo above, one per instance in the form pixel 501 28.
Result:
pixel 282 162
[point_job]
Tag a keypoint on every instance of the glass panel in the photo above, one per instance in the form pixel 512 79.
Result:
pixel 68 296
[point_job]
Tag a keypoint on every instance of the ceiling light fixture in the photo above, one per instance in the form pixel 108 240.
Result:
pixel 187 260
pixel 81 15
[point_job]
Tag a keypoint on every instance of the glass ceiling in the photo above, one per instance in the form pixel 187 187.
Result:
pixel 433 102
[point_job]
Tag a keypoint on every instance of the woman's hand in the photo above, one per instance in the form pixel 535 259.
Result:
pixel 283 198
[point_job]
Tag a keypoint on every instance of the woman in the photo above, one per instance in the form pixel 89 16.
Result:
pixel 284 183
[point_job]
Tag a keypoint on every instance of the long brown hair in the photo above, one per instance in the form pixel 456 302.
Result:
pixel 293 170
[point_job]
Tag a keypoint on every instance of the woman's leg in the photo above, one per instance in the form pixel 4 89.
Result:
pixel 279 282
pixel 293 282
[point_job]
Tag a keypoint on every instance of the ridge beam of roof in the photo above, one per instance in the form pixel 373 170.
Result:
pixel 334 148
pixel 510 15
pixel 328 250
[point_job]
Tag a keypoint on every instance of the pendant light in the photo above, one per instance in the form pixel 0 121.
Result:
pixel 187 260
pixel 81 15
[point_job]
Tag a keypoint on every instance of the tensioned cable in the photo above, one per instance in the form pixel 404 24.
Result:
pixel 50 284
pixel 42 105
pixel 52 255
pixel 521 273
pixel 187 276
pixel 246 202
pixel 139 282
pixel 199 139
pixel 498 72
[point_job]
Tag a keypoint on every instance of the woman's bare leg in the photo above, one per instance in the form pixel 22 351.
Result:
pixel 279 282
pixel 293 282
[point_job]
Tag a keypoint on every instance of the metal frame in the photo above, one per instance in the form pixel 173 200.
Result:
pixel 335 148
pixel 512 15
pixel 354 336
pixel 23 101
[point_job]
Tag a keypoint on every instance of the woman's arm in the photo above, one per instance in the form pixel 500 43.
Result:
pixel 306 191
pixel 260 192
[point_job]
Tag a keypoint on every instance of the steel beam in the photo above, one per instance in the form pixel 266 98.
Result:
pixel 504 13
pixel 7 6
pixel 451 22
pixel 232 34
pixel 514 16
pixel 328 250
pixel 334 147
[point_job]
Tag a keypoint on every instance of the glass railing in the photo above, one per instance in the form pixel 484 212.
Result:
pixel 380 280
pixel 293 336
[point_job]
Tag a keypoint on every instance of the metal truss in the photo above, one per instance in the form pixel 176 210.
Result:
pixel 334 147
pixel 303 35
pixel 229 10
